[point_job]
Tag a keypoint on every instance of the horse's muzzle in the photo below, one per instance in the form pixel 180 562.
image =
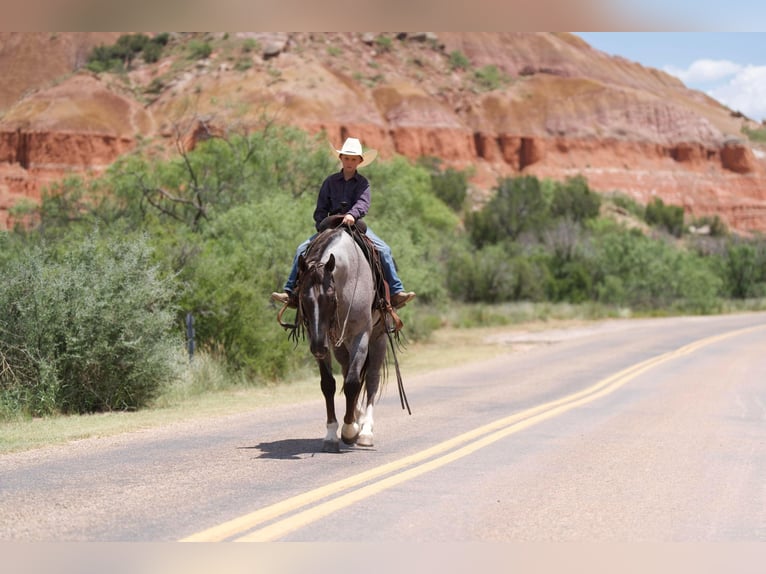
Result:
pixel 319 350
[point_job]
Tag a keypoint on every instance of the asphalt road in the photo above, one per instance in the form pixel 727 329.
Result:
pixel 623 431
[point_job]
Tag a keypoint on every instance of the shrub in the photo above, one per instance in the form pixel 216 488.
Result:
pixel 383 44
pixel 152 53
pixel 668 217
pixel 491 78
pixel 743 269
pixel 199 50
pixel 652 274
pixel 121 54
pixel 458 60
pixel 573 199
pixel 449 185
pixel 628 204
pixel 716 225
pixel 494 274
pixel 518 206
pixel 85 329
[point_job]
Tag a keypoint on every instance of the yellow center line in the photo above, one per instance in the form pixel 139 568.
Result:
pixel 455 448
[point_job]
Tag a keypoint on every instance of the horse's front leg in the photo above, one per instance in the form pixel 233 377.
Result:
pixel 331 443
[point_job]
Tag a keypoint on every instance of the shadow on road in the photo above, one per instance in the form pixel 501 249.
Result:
pixel 289 449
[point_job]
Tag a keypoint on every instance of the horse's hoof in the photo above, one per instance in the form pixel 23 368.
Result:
pixel 330 446
pixel 364 440
pixel 347 430
pixel 349 441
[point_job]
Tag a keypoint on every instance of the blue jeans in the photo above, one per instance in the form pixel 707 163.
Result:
pixel 386 259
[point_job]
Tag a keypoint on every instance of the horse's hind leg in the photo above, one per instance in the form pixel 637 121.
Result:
pixel 350 430
pixel 351 388
pixel 331 443
pixel 377 356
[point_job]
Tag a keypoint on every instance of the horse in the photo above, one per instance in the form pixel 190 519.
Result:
pixel 337 306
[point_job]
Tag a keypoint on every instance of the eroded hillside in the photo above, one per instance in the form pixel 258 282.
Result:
pixel 501 103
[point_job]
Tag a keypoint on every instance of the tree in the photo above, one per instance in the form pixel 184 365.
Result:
pixel 517 206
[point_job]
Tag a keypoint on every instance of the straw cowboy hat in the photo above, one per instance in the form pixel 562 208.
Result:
pixel 353 146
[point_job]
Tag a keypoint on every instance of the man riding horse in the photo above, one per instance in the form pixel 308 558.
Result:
pixel 347 193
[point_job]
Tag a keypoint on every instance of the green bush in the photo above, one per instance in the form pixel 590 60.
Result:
pixel 646 274
pixel 85 329
pixel 743 269
pixel 491 78
pixel 120 55
pixel 755 134
pixel 627 203
pixel 451 186
pixel 384 43
pixel 494 274
pixel 573 199
pixel 458 60
pixel 667 217
pixel 518 206
pixel 402 193
pixel 199 50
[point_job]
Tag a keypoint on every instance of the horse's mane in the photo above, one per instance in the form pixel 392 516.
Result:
pixel 320 243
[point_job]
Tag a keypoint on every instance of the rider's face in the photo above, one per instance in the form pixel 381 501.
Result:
pixel 350 162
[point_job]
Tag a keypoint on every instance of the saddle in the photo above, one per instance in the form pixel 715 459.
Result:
pixel 358 231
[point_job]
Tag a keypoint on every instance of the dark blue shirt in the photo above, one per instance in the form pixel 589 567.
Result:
pixel 338 195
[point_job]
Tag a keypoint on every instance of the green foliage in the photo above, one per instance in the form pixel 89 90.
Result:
pixel 458 60
pixel 755 134
pixel 518 206
pixel 250 45
pixel 491 78
pixel 495 273
pixel 152 53
pixel 191 190
pixel 629 204
pixel 402 193
pixel 743 269
pixel 450 185
pixel 384 43
pixel 245 254
pixel 644 273
pixel 120 55
pixel 668 217
pixel 85 328
pixel 573 199
pixel 716 226
pixel 199 50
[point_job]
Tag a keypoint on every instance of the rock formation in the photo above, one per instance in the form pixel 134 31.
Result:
pixel 502 104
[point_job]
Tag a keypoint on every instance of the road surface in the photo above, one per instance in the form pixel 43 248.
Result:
pixel 649 430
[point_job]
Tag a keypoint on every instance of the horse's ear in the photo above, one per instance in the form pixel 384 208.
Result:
pixel 301 263
pixel 330 265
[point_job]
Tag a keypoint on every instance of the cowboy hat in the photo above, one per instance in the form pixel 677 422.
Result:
pixel 352 146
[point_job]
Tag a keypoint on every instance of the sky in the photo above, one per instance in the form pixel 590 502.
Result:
pixel 728 66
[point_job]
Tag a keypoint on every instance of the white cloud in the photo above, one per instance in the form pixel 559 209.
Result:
pixel 741 88
pixel 704 71
pixel 745 92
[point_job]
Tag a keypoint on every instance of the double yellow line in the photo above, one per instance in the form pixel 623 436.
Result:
pixel 277 520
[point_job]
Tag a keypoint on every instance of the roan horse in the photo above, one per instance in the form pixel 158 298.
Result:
pixel 337 307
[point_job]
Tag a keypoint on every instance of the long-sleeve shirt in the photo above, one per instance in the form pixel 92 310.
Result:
pixel 340 196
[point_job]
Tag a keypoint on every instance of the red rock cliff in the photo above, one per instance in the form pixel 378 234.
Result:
pixel 525 103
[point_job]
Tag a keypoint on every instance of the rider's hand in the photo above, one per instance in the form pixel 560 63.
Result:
pixel 348 219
